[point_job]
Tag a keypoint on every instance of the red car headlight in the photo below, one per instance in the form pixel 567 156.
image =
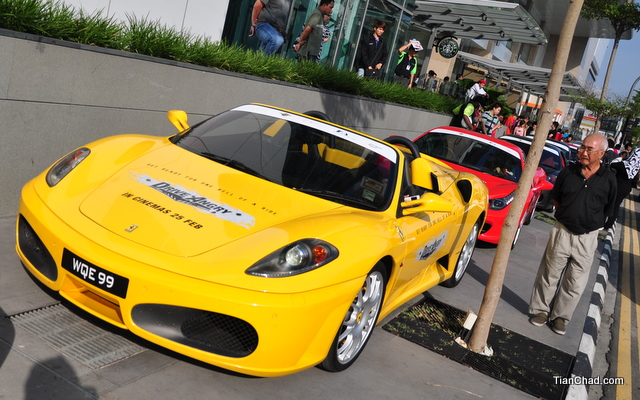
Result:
pixel 499 204
pixel 297 258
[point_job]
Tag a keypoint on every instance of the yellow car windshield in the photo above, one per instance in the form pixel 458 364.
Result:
pixel 299 153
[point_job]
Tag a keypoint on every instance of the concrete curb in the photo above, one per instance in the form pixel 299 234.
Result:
pixel 583 368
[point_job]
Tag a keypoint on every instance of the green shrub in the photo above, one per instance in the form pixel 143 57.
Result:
pixel 57 20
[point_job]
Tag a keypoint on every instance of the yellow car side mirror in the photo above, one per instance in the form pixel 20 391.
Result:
pixel 179 119
pixel 422 174
pixel 428 202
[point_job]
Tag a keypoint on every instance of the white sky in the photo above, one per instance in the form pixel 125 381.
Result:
pixel 625 67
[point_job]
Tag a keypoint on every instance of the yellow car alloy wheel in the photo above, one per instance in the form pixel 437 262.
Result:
pixel 358 323
pixel 465 257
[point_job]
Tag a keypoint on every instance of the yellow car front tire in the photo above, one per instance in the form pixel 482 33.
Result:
pixel 464 258
pixel 358 323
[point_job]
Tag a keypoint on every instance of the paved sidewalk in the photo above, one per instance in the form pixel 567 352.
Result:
pixel 617 354
pixel 390 367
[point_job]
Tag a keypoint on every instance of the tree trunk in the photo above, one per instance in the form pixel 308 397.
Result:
pixel 493 289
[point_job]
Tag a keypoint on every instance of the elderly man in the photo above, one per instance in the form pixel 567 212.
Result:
pixel 584 195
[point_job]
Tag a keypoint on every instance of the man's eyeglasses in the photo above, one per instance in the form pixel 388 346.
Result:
pixel 589 150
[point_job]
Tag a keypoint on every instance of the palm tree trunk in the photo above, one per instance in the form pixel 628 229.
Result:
pixel 493 288
pixel 607 76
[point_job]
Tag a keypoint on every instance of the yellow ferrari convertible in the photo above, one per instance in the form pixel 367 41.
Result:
pixel 260 240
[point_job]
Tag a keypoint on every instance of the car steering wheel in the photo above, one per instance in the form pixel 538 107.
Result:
pixel 415 152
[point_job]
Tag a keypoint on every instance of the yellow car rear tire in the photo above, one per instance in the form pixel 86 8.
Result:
pixel 464 258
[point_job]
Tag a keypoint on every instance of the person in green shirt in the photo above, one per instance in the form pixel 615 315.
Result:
pixel 464 114
pixel 407 66
pixel 311 37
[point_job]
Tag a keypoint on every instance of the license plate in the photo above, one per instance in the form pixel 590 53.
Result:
pixel 94 275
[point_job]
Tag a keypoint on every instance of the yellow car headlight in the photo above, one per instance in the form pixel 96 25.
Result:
pixel 65 165
pixel 297 258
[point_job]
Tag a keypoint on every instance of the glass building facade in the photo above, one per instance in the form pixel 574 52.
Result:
pixel 351 21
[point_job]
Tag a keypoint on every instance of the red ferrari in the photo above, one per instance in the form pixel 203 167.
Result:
pixel 497 162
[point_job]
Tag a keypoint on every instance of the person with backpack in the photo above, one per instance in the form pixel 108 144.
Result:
pixel 407 67
pixel 463 115
pixel 626 170
pixel 610 154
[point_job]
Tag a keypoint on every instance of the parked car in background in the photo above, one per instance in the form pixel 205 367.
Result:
pixel 497 162
pixel 564 148
pixel 551 161
pixel 260 240
pixel 574 146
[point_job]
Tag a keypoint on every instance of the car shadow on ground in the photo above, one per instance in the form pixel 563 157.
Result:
pixel 508 295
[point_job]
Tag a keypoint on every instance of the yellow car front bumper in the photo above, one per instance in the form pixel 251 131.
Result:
pixel 247 331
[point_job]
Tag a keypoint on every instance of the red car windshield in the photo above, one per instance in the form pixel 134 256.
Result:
pixel 469 152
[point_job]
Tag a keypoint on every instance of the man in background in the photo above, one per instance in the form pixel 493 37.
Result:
pixel 555 127
pixel 610 154
pixel 477 90
pixel 311 37
pixel 373 52
pixel 447 87
pixel 490 119
pixel 268 23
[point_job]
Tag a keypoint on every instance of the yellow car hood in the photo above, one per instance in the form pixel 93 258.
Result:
pixel 183 204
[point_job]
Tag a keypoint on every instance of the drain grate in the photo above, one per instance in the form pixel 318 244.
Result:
pixel 75 337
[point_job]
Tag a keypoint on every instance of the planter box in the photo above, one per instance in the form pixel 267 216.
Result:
pixel 56 96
